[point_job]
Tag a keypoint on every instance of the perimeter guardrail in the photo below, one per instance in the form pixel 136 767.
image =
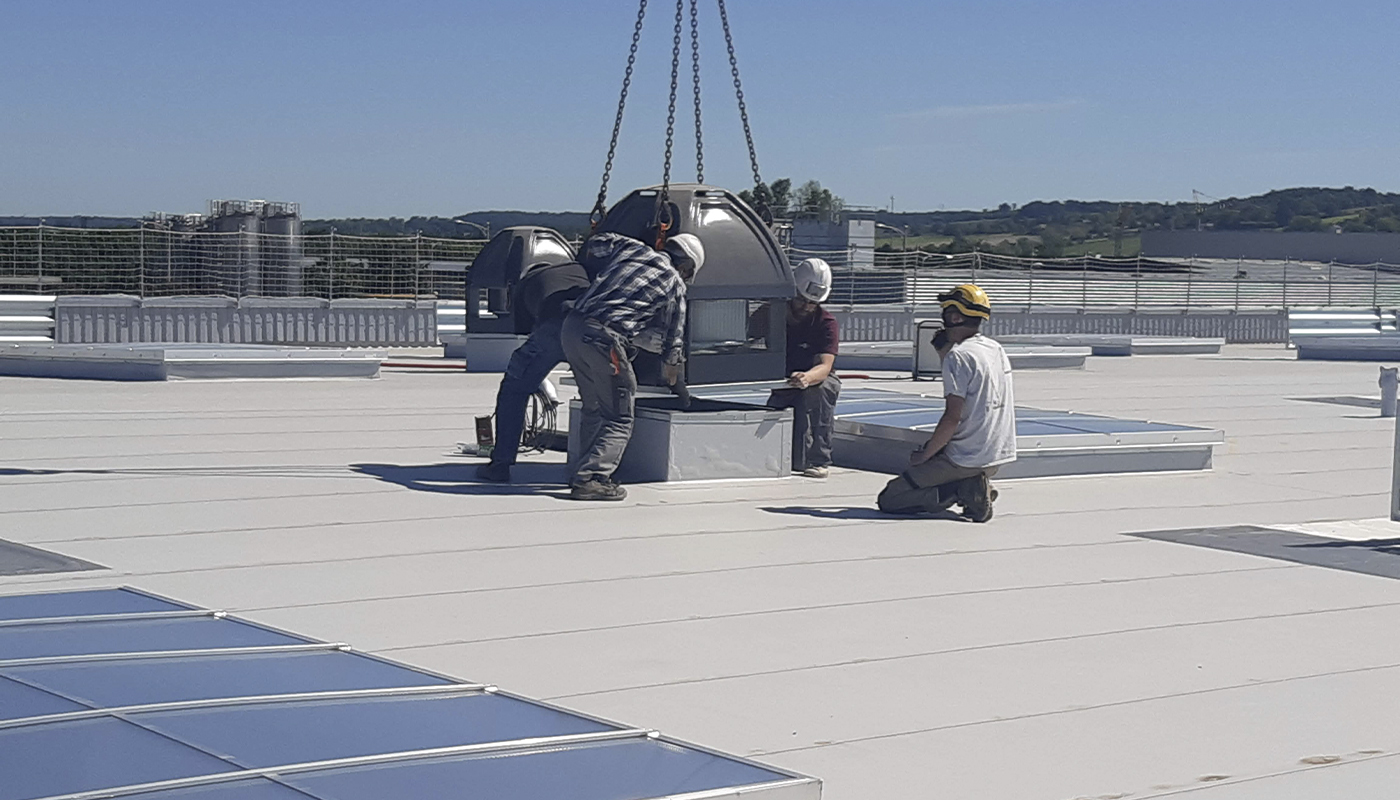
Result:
pixel 1253 326
pixel 370 322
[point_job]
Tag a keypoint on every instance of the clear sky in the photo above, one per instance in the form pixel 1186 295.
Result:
pixel 447 106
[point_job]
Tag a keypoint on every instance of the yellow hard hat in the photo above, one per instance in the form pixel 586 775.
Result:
pixel 969 300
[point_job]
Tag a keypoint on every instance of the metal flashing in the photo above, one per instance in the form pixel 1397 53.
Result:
pixel 210 651
pixel 138 615
pixel 794 788
pixel 158 362
pixel 248 700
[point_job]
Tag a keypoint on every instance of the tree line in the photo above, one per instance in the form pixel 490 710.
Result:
pixel 1057 224
pixel 1044 228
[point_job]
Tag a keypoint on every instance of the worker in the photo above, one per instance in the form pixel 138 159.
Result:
pixel 637 288
pixel 541 299
pixel 977 432
pixel 812 386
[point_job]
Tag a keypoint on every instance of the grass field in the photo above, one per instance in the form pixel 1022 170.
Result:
pixel 1343 218
pixel 914 242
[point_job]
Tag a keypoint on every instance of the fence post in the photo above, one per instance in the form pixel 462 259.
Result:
pixel 1084 281
pixel 1030 294
pixel 1137 282
pixel 1395 477
pixel 1239 267
pixel 1375 285
pixel 1285 283
pixel 1330 265
pixel 242 266
pixel 1190 273
pixel 330 278
pixel 40 287
pixel 417 259
pixel 141 261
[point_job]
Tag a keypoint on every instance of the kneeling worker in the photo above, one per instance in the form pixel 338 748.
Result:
pixel 812 342
pixel 542 298
pixel 977 433
pixel 637 288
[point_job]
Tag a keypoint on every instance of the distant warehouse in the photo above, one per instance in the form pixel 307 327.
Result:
pixel 1343 248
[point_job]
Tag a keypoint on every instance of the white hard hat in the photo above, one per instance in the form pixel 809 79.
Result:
pixel 813 279
pixel 688 245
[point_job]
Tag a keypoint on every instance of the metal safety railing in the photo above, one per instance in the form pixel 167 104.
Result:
pixel 916 278
pixel 150 262
pixel 153 262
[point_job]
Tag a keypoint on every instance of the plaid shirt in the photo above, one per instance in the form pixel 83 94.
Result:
pixel 637 288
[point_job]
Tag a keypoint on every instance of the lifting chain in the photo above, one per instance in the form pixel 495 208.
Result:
pixel 600 207
pixel 663 213
pixel 695 79
pixel 663 209
pixel 743 109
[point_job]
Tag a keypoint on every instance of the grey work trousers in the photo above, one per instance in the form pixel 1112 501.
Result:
pixel 607 388
pixel 813 416
pixel 930 486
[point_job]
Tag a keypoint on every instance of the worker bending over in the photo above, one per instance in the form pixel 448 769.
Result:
pixel 542 298
pixel 637 288
pixel 977 433
pixel 812 342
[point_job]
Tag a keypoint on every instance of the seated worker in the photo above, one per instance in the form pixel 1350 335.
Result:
pixel 812 341
pixel 637 288
pixel 977 432
pixel 543 296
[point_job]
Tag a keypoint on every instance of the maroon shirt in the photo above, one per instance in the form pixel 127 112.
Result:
pixel 809 338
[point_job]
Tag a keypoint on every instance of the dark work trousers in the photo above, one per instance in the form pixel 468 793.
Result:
pixel 607 389
pixel 529 365
pixel 930 486
pixel 813 415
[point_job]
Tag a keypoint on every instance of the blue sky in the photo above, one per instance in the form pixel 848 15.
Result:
pixel 437 107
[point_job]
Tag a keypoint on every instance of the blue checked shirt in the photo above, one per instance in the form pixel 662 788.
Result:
pixel 636 289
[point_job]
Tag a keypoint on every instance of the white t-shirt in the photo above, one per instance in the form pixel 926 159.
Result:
pixel 978 371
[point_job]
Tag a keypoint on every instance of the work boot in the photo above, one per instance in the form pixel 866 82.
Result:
pixel 596 489
pixel 975 494
pixel 493 472
pixel 816 472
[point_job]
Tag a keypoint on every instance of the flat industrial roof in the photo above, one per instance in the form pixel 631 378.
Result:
pixel 1045 654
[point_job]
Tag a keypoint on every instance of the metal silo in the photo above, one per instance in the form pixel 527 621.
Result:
pixel 281 250
pixel 239 259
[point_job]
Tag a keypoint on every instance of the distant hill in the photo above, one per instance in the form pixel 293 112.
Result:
pixel 569 223
pixel 1050 228
pixel 1046 228
pixel 1353 209
pixel 72 222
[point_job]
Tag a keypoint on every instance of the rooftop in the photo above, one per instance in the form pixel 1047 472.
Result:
pixel 1045 654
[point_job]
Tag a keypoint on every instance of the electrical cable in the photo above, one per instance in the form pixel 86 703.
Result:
pixel 541 419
